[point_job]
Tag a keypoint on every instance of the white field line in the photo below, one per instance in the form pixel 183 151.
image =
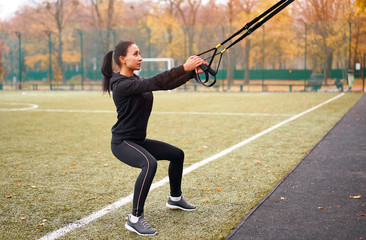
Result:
pixel 35 107
pixel 30 107
pixel 62 231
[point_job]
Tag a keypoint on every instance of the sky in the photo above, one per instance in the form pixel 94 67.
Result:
pixel 9 7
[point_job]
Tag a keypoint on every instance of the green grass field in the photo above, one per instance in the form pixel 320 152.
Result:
pixel 56 165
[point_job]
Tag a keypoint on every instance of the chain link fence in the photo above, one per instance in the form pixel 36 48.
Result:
pixel 296 57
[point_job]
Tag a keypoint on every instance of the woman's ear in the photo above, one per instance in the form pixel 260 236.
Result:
pixel 122 60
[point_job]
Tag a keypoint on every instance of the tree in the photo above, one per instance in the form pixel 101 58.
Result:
pixel 188 12
pixel 247 9
pixel 102 13
pixel 323 16
pixel 360 6
pixel 166 33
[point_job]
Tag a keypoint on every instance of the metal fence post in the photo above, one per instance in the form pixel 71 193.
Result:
pixel 263 46
pixel 81 59
pixel 306 33
pixel 20 59
pixel 363 72
pixel 49 57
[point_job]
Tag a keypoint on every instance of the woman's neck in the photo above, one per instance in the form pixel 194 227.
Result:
pixel 126 72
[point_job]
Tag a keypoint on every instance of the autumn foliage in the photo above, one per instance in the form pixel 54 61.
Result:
pixel 320 35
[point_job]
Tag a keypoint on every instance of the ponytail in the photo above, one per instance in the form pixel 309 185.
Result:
pixel 107 66
pixel 107 71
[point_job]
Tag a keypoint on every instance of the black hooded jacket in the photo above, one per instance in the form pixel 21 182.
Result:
pixel 134 100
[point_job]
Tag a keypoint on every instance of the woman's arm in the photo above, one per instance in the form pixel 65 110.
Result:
pixel 191 64
pixel 166 80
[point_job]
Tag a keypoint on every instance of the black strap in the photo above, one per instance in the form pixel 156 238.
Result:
pixel 272 11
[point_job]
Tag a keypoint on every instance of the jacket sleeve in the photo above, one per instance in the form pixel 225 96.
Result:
pixel 166 80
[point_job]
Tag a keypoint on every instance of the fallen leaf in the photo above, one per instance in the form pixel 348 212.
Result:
pixel 239 194
pixel 282 198
pixel 363 215
pixel 219 189
pixel 23 218
pixel 34 187
pixel 320 207
pixel 207 200
pixel 355 197
pixel 9 196
pixel 91 198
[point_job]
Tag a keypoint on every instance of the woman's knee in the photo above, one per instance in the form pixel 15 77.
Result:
pixel 180 155
pixel 151 165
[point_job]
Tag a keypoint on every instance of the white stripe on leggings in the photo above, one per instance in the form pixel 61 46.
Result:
pixel 143 183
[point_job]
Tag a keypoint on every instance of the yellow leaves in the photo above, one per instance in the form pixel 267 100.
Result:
pixel 265 167
pixel 43 223
pixel 73 164
pixel 355 197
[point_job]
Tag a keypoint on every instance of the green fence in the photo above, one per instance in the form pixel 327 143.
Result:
pixel 271 54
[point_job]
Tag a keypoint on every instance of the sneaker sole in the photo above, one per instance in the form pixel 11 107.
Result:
pixel 181 208
pixel 129 228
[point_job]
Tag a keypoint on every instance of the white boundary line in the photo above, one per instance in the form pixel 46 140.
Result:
pixel 34 107
pixel 31 107
pixel 62 231
pixel 226 114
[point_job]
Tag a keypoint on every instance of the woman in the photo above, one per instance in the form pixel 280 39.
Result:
pixel 133 98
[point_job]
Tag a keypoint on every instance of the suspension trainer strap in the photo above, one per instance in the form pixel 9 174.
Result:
pixel 257 22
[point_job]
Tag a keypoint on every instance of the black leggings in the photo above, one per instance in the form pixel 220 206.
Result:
pixel 144 155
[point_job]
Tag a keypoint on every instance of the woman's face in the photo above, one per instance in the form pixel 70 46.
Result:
pixel 132 60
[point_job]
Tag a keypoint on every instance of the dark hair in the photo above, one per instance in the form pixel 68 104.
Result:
pixel 107 66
